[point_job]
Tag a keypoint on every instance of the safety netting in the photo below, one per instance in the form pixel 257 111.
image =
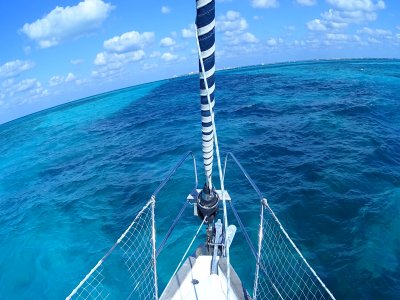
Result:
pixel 134 256
pixel 282 272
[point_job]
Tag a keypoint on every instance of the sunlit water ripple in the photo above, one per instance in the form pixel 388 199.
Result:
pixel 321 139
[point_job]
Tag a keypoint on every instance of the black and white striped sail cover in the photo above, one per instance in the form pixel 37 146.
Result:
pixel 205 22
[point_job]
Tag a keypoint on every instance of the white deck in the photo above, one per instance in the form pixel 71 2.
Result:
pixel 194 281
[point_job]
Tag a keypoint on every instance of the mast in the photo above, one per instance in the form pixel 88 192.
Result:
pixel 208 199
pixel 205 24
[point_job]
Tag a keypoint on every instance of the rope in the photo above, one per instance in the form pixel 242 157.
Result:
pixel 221 177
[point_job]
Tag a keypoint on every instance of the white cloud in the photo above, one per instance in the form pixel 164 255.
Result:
pixel 353 11
pixel 231 23
pixel 104 58
pixel 26 84
pixel 100 59
pixel 129 41
pixel 337 25
pixel 316 25
pixel 299 43
pixel 314 43
pixel 234 27
pixel 167 42
pixel 376 36
pixel 342 38
pixel 324 25
pixel 108 72
pixel 346 12
pixel 244 38
pixel 375 32
pixel 188 32
pixel 167 56
pixel 57 80
pixel 337 36
pixel 149 66
pixel 307 2
pixel 23 91
pixel 7 83
pixel 357 38
pixel 347 16
pixel 273 42
pixel 155 54
pixel 373 40
pixel 64 23
pixel 307 43
pixel 249 38
pixel 81 81
pixel 77 61
pixel 264 3
pixel 165 10
pixel 111 64
pixel 15 67
pixel 355 5
pixel 120 51
pixel 70 77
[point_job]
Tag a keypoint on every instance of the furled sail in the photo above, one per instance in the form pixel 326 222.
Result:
pixel 205 23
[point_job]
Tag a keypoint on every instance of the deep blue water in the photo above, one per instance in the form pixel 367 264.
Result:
pixel 321 139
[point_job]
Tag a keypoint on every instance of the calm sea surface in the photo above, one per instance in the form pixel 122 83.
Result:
pixel 321 140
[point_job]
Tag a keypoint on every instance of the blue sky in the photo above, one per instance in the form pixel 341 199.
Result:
pixel 57 51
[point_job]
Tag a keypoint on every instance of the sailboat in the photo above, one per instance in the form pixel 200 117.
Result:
pixel 281 270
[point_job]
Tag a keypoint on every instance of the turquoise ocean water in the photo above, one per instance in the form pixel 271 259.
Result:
pixel 321 139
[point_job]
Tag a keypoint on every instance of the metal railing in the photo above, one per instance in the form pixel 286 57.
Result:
pixel 137 250
pixel 282 272
pixel 235 213
pixel 174 169
pixel 162 184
